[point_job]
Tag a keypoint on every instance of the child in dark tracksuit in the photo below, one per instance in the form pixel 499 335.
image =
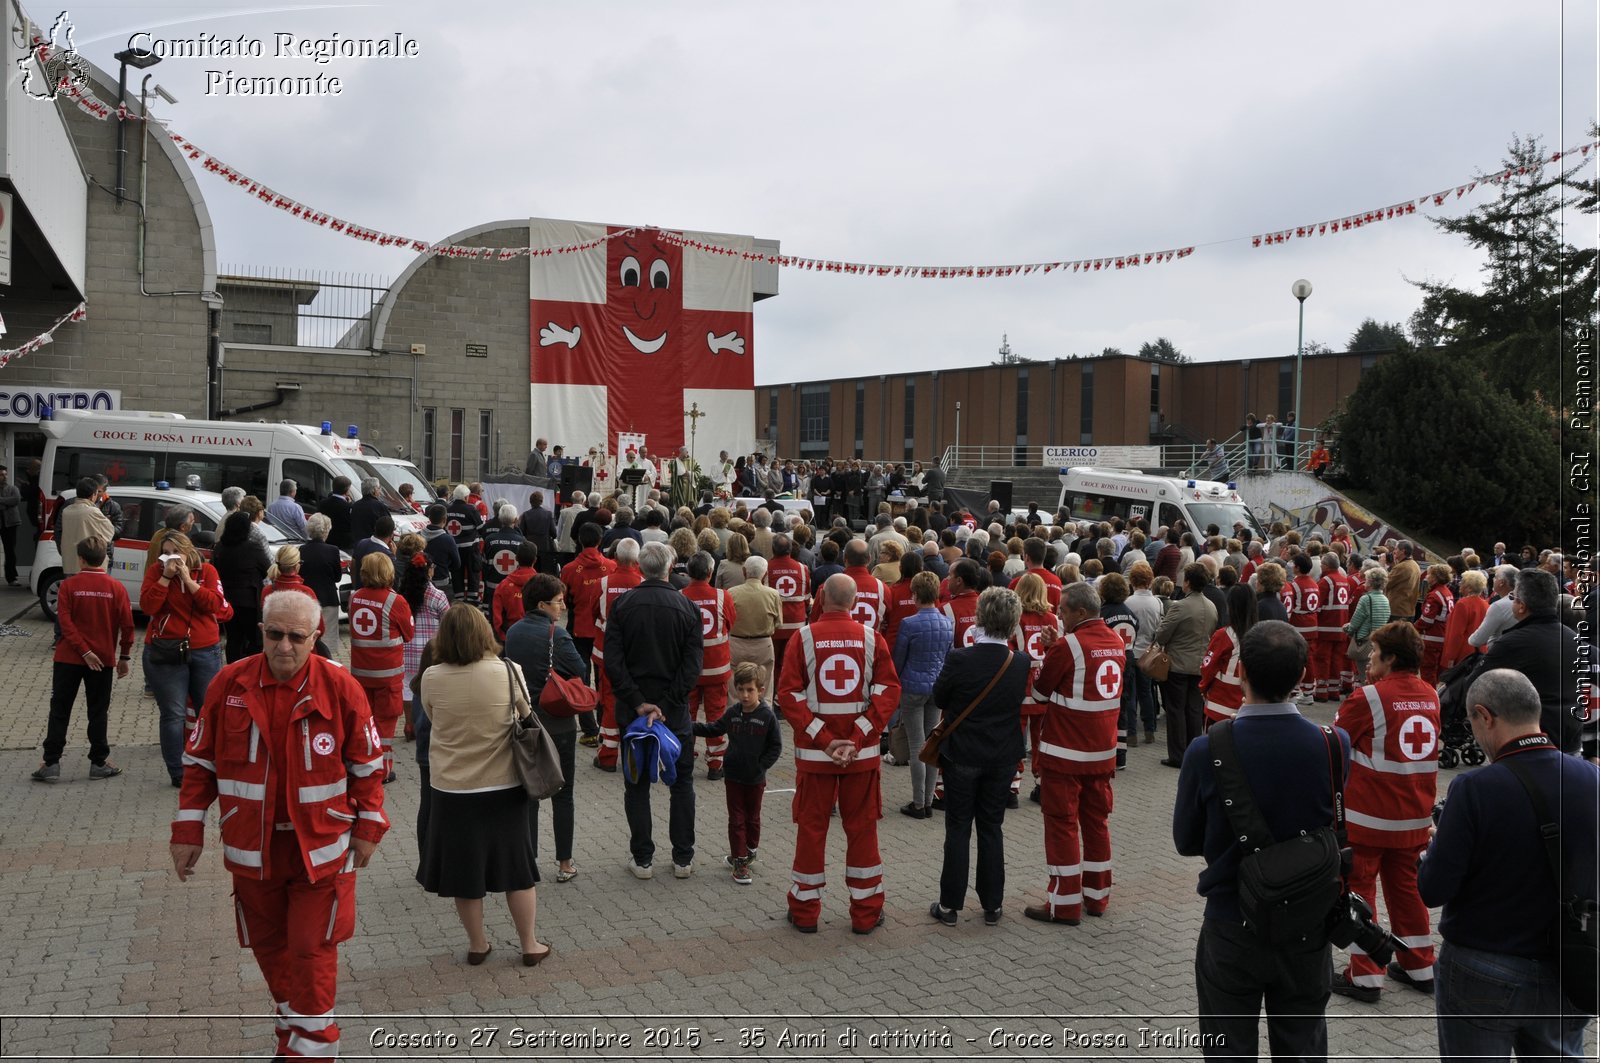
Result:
pixel 754 745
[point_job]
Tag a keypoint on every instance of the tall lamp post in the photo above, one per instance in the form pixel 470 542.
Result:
pixel 1301 289
pixel 140 60
pixel 956 458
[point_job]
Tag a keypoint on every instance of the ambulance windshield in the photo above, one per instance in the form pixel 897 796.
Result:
pixel 391 498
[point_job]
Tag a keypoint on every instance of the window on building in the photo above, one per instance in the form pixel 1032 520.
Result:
pixel 1022 404
pixel 458 445
pixel 911 419
pixel 1368 361
pixel 430 448
pixel 1086 408
pixel 814 412
pixel 861 418
pixel 1155 389
pixel 249 332
pixel 772 414
pixel 1285 390
pixel 485 443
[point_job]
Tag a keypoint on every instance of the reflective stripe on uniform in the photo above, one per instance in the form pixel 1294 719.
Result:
pixel 250 791
pixel 1051 749
pixel 242 857
pixel 310 794
pixel 332 851
pixel 1361 819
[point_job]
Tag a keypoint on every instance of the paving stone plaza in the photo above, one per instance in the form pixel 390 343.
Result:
pixel 103 951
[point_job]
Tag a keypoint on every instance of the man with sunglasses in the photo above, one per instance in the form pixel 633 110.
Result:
pixel 285 740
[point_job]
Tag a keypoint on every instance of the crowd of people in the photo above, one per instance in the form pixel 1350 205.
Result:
pixel 1015 651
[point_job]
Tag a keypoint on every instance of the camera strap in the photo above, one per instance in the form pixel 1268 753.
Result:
pixel 1244 815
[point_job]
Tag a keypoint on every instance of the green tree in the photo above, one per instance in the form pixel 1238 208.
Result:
pixel 1163 350
pixel 1112 352
pixel 1512 327
pixel 1373 335
pixel 1445 450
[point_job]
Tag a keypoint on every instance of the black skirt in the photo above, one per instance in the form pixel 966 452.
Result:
pixel 477 844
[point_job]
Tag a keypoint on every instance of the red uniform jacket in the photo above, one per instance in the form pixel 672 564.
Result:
pixel 1435 615
pixel 1303 598
pixel 612 587
pixel 871 597
pixel 1393 726
pixel 792 581
pixel 582 576
pixel 329 776
pixel 899 604
pixel 175 613
pixel 96 617
pixel 717 615
pixel 841 684
pixel 506 606
pixel 380 627
pixel 1219 675
pixel 1334 612
pixel 963 613
pixel 296 583
pixel 1029 640
pixel 1082 677
pixel 1052 585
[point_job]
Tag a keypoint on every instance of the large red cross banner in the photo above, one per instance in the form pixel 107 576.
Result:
pixel 626 335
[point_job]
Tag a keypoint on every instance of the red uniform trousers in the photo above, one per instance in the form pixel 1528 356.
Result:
pixel 1033 727
pixel 711 694
pixel 1408 916
pixel 1431 654
pixel 1076 808
pixel 860 802
pixel 294 927
pixel 780 641
pixel 744 817
pixel 610 737
pixel 1327 659
pixel 387 707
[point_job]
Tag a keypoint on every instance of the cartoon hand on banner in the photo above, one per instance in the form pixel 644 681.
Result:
pixel 553 334
pixel 731 342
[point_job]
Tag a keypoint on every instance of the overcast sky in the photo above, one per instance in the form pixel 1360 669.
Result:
pixel 932 132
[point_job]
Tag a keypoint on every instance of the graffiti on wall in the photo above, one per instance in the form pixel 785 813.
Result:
pixel 1323 515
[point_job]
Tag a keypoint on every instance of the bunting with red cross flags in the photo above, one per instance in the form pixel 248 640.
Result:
pixel 625 336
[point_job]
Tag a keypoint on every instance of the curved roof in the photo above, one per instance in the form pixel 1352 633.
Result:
pixel 380 323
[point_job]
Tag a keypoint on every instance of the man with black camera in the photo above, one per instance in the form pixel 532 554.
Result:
pixel 1286 759
pixel 1498 985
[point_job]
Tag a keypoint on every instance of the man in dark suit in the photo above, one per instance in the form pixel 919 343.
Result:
pixel 365 511
pixel 337 508
pixel 933 483
pixel 1542 648
pixel 538 526
pixel 538 465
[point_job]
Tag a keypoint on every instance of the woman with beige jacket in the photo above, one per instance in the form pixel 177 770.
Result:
pixel 1185 632
pixel 477 839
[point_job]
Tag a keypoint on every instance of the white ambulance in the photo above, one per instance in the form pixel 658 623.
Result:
pixel 1097 494
pixel 141 448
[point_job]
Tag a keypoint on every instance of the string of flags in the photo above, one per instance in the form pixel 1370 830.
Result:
pixel 77 313
pixel 96 108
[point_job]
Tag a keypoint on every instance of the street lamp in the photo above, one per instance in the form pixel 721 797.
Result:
pixel 1301 289
pixel 956 458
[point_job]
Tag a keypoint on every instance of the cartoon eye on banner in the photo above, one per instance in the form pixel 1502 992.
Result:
pixel 626 335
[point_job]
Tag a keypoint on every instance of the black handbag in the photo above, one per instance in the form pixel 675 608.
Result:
pixel 1287 889
pixel 169 651
pixel 533 751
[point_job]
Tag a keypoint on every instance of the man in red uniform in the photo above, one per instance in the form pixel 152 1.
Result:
pixel 96 628
pixel 1393 724
pixel 612 586
pixel 1355 586
pixel 581 576
pixel 506 608
pixel 962 608
pixel 717 615
pixel 871 595
pixel 792 581
pixel 380 626
pixel 1034 551
pixel 1082 676
pixel 1303 600
pixel 1437 601
pixel 286 742
pixel 837 690
pixel 1332 614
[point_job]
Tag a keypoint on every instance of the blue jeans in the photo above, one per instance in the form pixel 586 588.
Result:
pixel 1489 1003
pixel 176 686
pixel 1147 699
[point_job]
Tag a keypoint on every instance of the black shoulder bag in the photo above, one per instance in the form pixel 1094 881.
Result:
pixel 1577 918
pixel 1286 889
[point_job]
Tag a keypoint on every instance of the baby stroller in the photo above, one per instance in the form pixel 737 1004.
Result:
pixel 1457 744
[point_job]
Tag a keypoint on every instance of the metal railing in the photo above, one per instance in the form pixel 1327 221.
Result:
pixel 299 307
pixel 1186 459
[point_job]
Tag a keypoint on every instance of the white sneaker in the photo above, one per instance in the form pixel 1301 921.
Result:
pixel 641 872
pixel 682 870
